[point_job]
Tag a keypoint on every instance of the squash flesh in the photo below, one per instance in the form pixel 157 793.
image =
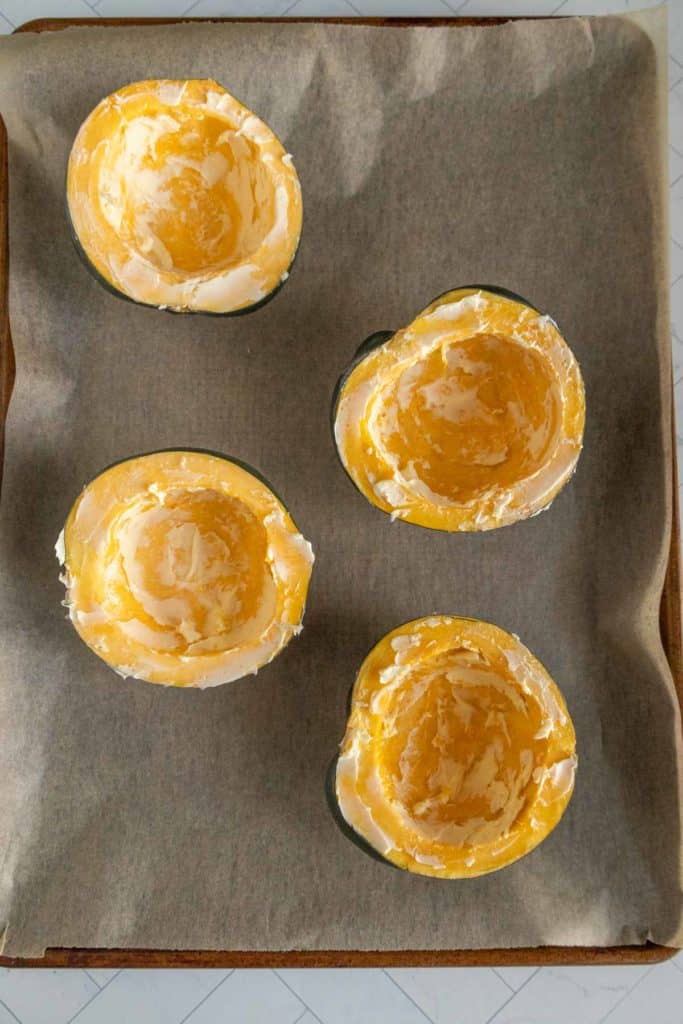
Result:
pixel 470 415
pixel 183 568
pixel 195 197
pixel 459 753
pixel 468 419
pixel 180 197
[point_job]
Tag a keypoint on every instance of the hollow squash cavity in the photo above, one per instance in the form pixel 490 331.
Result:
pixel 180 197
pixel 183 568
pixel 459 753
pixel 468 419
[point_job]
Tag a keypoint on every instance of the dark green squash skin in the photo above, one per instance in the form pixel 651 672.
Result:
pixel 331 792
pixel 364 349
pixel 379 338
pixel 343 825
pixel 108 286
pixel 333 804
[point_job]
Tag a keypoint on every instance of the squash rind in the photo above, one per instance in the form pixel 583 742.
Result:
pixel 451 516
pixel 107 253
pixel 142 482
pixel 363 744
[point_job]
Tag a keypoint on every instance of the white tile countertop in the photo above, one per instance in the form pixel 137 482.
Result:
pixel 515 995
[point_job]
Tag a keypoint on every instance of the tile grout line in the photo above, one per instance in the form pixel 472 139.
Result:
pixel 204 998
pixel 353 7
pixel 628 993
pixel 6 1007
pixel 408 997
pixel 94 996
pixel 94 980
pixel 503 979
pixel 297 996
pixel 512 994
pixel 354 12
pixel 454 8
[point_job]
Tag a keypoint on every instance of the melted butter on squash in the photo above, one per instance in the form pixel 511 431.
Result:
pixel 188 570
pixel 181 197
pixel 183 568
pixel 470 418
pixel 459 754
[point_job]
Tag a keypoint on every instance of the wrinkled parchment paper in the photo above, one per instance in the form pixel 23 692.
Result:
pixel 528 156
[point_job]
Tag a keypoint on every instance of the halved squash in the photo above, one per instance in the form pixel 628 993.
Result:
pixel 459 753
pixel 181 198
pixel 183 568
pixel 470 418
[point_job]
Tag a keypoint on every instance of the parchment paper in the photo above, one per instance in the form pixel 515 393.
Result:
pixel 528 156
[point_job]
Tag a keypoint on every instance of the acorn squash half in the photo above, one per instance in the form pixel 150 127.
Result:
pixel 183 568
pixel 459 753
pixel 470 418
pixel 179 197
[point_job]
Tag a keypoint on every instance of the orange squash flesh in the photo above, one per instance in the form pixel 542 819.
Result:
pixel 183 568
pixel 181 198
pixel 468 419
pixel 459 753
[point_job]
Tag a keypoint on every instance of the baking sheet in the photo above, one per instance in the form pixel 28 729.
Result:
pixel 527 155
